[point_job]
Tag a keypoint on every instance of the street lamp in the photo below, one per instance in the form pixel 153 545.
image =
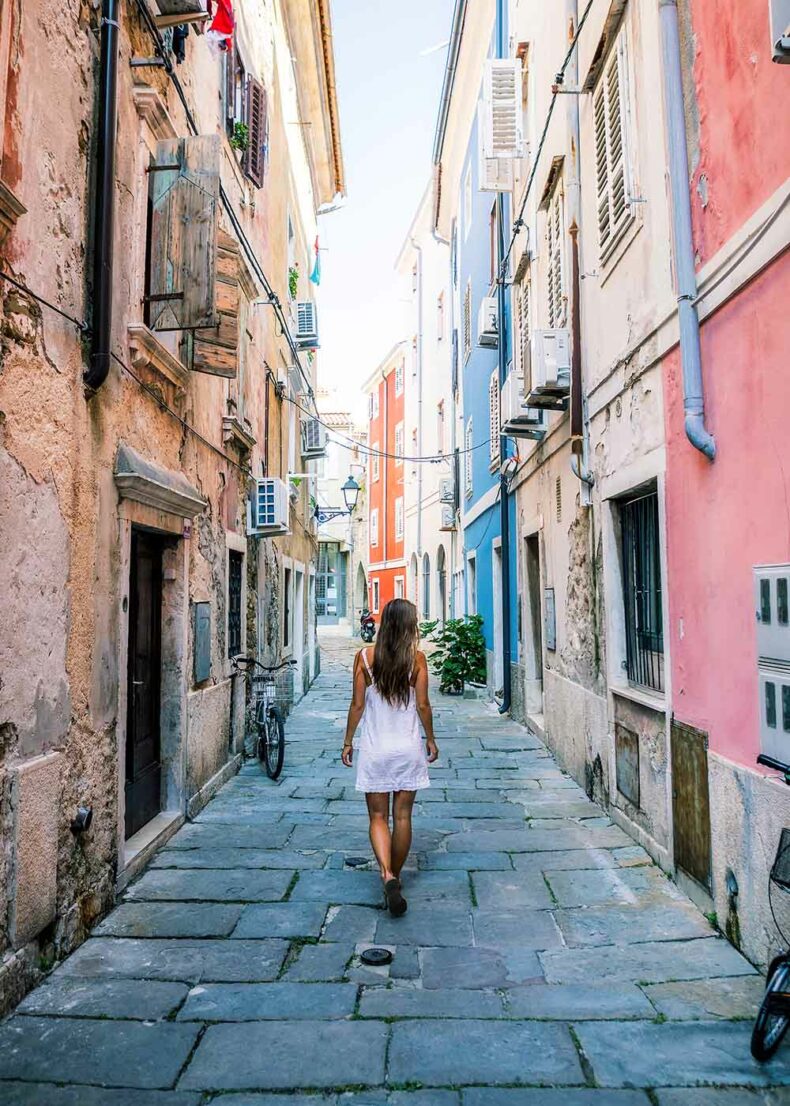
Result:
pixel 350 492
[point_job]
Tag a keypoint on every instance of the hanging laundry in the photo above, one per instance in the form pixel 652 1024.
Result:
pixel 220 33
pixel 180 35
pixel 315 275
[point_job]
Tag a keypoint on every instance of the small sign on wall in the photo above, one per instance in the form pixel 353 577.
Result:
pixel 202 662
pixel 550 619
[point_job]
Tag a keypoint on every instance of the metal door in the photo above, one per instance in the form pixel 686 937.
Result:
pixel 143 769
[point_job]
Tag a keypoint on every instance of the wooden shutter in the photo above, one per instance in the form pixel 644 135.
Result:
pixel 184 195
pixel 555 237
pixel 523 309
pixel 255 154
pixel 467 320
pixel 495 173
pixel 493 418
pixel 216 350
pixel 502 137
pixel 614 209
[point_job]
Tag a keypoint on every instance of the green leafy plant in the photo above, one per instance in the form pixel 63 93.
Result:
pixel 240 139
pixel 459 654
pixel 293 281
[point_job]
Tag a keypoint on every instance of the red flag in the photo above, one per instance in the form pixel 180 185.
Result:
pixel 220 32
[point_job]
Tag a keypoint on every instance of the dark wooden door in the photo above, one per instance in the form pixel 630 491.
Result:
pixel 691 802
pixel 143 769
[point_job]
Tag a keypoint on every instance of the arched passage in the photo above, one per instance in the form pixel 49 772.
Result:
pixel 441 579
pixel 414 581
pixel 360 588
pixel 426 586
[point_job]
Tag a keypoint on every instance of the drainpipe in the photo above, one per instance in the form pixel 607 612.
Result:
pixel 104 200
pixel 579 436
pixel 504 504
pixel 685 275
pixel 418 249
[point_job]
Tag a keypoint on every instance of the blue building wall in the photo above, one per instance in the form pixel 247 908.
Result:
pixel 474 261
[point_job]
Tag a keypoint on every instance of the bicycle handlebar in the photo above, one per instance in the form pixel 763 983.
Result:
pixel 241 663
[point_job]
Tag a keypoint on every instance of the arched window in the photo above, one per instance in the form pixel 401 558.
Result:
pixel 426 586
pixel 441 573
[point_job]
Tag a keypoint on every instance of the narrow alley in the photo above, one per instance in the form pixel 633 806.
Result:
pixel 541 949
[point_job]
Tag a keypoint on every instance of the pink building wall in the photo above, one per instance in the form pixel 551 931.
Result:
pixel 727 516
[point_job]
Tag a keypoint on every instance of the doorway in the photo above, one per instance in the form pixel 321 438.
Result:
pixel 299 635
pixel 143 787
pixel 533 629
pixel 499 669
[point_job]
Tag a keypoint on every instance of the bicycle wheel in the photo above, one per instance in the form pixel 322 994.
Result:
pixel 274 744
pixel 773 1017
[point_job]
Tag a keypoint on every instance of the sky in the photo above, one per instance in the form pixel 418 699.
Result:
pixel 389 78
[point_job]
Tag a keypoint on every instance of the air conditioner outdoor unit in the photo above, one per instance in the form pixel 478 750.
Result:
pixel 267 511
pixel 519 420
pixel 488 322
pixel 448 517
pixel 313 438
pixel 550 362
pixel 447 491
pixel 306 325
pixel 780 30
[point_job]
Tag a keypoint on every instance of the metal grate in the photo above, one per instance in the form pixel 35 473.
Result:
pixel 642 592
pixel 780 872
pixel 558 498
pixel 235 566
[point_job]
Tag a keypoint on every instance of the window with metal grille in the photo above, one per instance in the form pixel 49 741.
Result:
pixel 399 444
pixel 610 111
pixel 467 320
pixel 374 526
pixel 399 518
pixel 493 419
pixel 374 463
pixel 399 380
pixel 555 241
pixel 468 458
pixel 644 631
pixel 235 567
pixel 375 599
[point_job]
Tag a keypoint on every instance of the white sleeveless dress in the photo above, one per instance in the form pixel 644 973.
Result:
pixel 391 754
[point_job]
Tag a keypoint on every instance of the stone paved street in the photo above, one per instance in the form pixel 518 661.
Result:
pixel 541 950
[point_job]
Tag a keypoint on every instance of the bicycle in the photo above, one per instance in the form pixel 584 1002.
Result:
pixel 773 1017
pixel 270 743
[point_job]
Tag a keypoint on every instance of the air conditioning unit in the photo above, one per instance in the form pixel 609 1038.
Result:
pixel 549 369
pixel 488 322
pixel 447 491
pixel 314 438
pixel 448 517
pixel 519 420
pixel 780 30
pixel 267 511
pixel 306 325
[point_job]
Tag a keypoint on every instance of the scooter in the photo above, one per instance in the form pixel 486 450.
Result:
pixel 367 625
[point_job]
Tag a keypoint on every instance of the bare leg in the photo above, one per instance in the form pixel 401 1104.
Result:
pixel 380 836
pixel 402 804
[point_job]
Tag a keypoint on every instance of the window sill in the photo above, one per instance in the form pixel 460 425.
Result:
pixel 655 700
pixel 234 431
pixel 147 352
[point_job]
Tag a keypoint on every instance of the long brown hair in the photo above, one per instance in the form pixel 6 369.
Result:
pixel 395 651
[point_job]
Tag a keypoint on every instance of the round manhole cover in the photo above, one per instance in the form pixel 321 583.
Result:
pixel 356 861
pixel 377 957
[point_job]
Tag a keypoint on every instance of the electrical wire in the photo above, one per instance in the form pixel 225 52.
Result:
pixel 491 514
pixel 83 327
pixel 536 159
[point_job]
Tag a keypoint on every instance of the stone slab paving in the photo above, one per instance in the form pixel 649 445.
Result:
pixel 544 960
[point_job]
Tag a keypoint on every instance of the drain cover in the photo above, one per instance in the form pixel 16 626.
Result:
pixel 356 861
pixel 376 957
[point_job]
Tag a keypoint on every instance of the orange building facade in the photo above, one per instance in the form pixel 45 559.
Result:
pixel 385 390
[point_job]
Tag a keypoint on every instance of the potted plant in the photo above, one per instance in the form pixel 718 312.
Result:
pixel 293 281
pixel 459 653
pixel 240 139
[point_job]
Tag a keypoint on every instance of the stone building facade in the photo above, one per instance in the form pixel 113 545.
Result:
pixel 127 575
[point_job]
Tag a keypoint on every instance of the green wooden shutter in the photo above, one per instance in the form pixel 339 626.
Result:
pixel 184 196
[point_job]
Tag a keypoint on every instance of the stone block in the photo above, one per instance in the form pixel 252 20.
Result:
pixel 191 961
pixel 427 923
pixel 41 1094
pixel 210 885
pixel 567 1096
pixel 281 919
pixel 36 796
pixel 237 858
pixel 402 1002
pixel 702 999
pixel 651 962
pixel 579 1002
pixel 170 919
pixel 525 929
pixel 624 924
pixel 230 1002
pixel 507 890
pixel 351 923
pixel 470 968
pixel 320 962
pixel 626 885
pixel 467 861
pixel 270 833
pixel 138 999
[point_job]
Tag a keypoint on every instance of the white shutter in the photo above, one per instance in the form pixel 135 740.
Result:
pixel 555 242
pixel 610 114
pixel 495 174
pixel 502 132
pixel 468 458
pixel 467 318
pixel 522 311
pixel 494 429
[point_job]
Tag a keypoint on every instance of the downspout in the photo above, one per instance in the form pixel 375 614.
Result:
pixel 104 201
pixel 504 504
pixel 579 435
pixel 685 275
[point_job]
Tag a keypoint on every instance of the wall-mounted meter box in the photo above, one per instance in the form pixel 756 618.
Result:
pixel 772 612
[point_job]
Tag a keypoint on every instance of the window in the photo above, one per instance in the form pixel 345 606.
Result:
pixel 555 241
pixel 467 320
pixel 374 526
pixel 400 587
pixel 375 460
pixel 376 595
pixel 471 585
pixel 494 430
pixel 467 200
pixel 235 568
pixel 492 244
pixel 292 281
pixel 376 403
pixel 414 356
pixel 399 444
pixel 522 311
pixel 287 608
pixel 454 362
pixel 440 317
pixel 454 253
pixel 468 458
pixel 370 406
pixel 642 591
pixel 440 426
pixel 426 586
pixel 610 111
pixel 399 380
pixel 414 277
pixel 399 518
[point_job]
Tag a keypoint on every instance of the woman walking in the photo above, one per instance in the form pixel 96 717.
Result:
pixel 390 694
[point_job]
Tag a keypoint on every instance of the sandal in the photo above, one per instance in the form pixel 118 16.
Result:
pixel 396 904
